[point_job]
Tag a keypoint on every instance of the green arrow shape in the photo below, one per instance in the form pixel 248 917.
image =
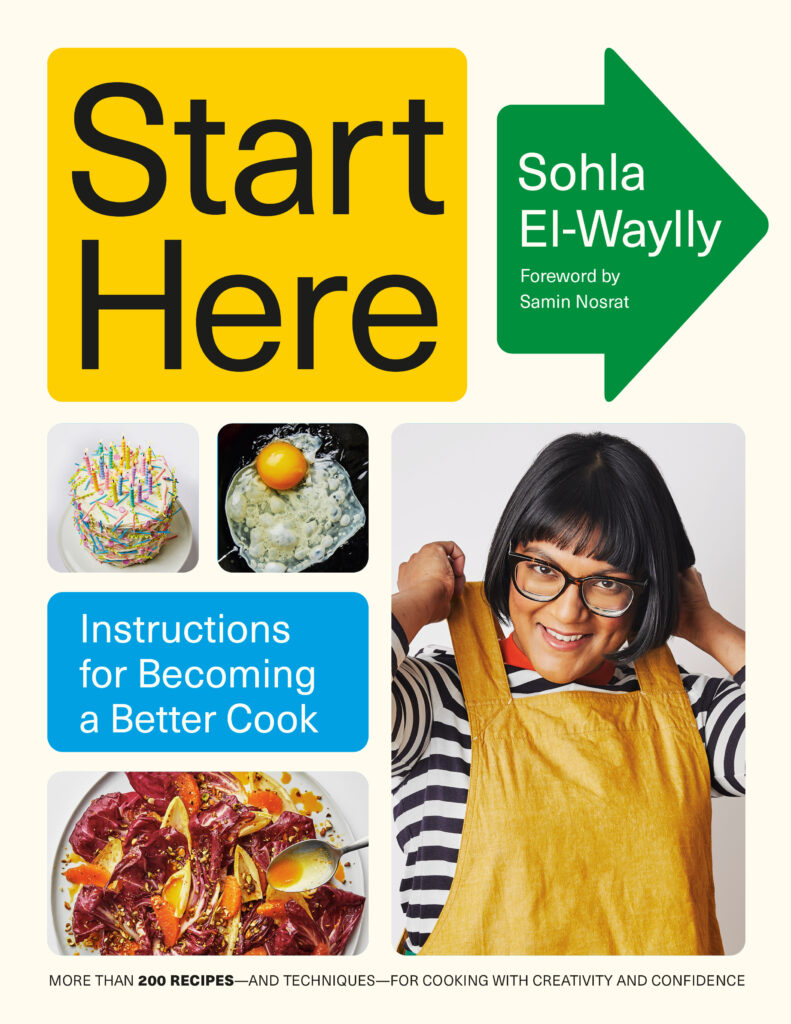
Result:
pixel 670 242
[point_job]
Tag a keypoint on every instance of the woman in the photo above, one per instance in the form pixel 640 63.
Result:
pixel 552 788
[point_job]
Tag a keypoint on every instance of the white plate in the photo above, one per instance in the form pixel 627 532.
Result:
pixel 171 557
pixel 114 782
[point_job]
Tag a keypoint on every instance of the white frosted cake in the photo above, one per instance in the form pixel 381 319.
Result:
pixel 124 499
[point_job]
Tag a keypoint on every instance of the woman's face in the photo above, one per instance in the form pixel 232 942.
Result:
pixel 563 639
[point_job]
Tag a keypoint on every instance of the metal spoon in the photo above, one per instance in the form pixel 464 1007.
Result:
pixel 310 848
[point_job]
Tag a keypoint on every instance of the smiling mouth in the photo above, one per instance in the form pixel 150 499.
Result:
pixel 563 641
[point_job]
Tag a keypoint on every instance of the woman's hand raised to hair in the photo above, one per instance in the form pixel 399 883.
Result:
pixel 702 626
pixel 427 583
pixel 694 606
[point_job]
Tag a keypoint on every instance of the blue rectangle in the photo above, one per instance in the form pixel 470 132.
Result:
pixel 207 671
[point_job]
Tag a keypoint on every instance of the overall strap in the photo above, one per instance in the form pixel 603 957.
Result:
pixel 657 672
pixel 475 635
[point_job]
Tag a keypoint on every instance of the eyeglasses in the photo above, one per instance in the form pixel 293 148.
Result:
pixel 603 595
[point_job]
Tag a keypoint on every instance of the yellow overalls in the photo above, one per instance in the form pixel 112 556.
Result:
pixel 588 821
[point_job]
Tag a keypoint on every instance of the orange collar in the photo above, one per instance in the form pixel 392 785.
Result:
pixel 513 656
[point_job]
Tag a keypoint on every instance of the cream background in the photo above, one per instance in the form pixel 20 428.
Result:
pixel 721 67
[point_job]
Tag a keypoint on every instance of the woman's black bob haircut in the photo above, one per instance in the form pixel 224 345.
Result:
pixel 602 497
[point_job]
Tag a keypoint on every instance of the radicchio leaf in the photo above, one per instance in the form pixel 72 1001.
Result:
pixel 271 840
pixel 221 786
pixel 337 913
pixel 101 916
pixel 156 788
pixel 214 833
pixel 147 866
pixel 297 934
pixel 253 929
pixel 107 816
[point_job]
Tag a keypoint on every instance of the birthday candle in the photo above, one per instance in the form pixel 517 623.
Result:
pixel 114 492
pixel 110 450
pixel 87 462
pixel 94 480
pixel 134 473
pixel 139 492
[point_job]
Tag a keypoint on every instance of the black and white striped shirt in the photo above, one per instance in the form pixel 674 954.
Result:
pixel 431 760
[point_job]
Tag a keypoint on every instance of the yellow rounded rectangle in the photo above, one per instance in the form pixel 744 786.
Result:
pixel 257 225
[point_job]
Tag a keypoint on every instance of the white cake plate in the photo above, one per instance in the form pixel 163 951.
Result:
pixel 171 558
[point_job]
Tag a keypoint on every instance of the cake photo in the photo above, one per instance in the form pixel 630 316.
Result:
pixel 123 500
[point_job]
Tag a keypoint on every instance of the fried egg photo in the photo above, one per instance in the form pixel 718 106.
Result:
pixel 291 507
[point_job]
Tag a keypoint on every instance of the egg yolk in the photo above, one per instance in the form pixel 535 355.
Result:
pixel 287 871
pixel 172 890
pixel 281 465
pixel 309 801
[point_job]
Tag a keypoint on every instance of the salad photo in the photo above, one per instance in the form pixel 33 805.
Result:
pixel 186 864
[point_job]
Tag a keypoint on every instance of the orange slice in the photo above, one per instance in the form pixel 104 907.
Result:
pixel 88 874
pixel 166 919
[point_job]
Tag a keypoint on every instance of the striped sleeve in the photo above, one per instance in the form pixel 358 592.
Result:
pixel 719 709
pixel 411 705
